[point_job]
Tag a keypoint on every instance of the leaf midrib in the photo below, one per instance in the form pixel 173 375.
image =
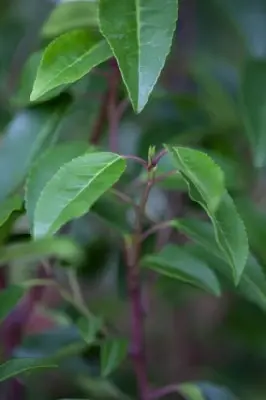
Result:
pixel 79 193
pixel 77 60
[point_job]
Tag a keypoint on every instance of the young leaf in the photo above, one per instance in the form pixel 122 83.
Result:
pixel 63 248
pixel 74 189
pixel 140 33
pixel 32 131
pixel 113 352
pixel 67 59
pixel 9 298
pixel 18 366
pixel 7 207
pixel 254 105
pixel 44 169
pixel 177 263
pixel 71 15
pixel 205 182
pixel 89 327
pixel 201 174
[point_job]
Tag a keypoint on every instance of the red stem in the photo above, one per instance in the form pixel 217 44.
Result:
pixel 133 252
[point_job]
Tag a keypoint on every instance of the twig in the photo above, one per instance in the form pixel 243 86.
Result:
pixel 139 160
pixel 157 158
pixel 133 253
pixel 155 228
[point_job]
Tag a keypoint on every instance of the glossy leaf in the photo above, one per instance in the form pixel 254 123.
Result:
pixel 44 169
pixel 113 352
pixel 140 34
pixel 9 298
pixel 18 366
pixel 178 264
pixel 71 15
pixel 89 327
pixel 254 105
pixel 201 174
pixel 67 59
pixel 205 182
pixel 63 248
pixel 7 207
pixel 74 189
pixel 31 131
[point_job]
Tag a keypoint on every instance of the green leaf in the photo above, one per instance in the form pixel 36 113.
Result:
pixel 9 298
pixel 255 222
pixel 113 352
pixel 44 169
pixel 140 33
pixel 67 59
pixel 31 131
pixel 206 187
pixel 28 75
pixel 177 263
pixel 89 327
pixel 254 108
pixel 199 231
pixel 201 174
pixel 99 388
pixel 190 391
pixel 74 189
pixel 71 15
pixel 7 207
pixel 18 366
pixel 252 284
pixel 63 248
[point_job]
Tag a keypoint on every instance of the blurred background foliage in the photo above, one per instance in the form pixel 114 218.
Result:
pixel 199 102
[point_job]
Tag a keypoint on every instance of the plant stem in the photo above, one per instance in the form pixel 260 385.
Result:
pixel 133 253
pixel 155 228
pixel 157 158
pixel 139 160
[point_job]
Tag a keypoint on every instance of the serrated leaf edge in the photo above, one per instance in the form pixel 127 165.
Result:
pixel 136 107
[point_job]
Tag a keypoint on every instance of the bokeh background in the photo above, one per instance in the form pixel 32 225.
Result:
pixel 191 336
